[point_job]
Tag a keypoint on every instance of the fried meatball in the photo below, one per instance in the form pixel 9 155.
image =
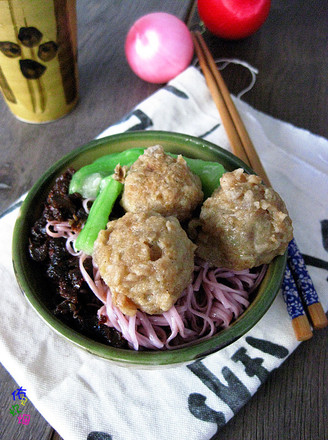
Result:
pixel 244 224
pixel 147 261
pixel 160 183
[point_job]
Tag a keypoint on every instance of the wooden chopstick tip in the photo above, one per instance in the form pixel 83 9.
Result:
pixel 317 316
pixel 302 328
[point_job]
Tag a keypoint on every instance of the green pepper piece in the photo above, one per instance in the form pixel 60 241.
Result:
pixel 99 213
pixel 87 179
pixel 130 155
pixel 208 172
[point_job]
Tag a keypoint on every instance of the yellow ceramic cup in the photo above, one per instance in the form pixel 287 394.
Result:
pixel 38 58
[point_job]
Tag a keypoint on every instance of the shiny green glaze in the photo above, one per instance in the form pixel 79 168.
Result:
pixel 34 287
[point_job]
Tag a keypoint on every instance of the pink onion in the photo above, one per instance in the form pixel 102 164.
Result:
pixel 158 47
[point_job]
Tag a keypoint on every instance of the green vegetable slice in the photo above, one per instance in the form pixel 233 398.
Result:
pixel 208 172
pixel 87 179
pixel 99 213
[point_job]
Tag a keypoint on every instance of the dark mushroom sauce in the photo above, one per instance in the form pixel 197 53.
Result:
pixel 70 298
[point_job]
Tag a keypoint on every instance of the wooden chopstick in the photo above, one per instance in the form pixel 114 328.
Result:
pixel 243 147
pixel 220 102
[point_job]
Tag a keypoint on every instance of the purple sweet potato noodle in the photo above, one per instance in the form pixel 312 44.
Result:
pixel 214 299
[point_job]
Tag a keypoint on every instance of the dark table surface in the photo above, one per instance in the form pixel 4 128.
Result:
pixel 290 52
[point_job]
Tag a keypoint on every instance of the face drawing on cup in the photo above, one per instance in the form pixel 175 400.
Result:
pixel 31 68
pixel 30 37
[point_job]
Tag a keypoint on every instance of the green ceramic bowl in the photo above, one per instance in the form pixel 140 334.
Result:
pixel 32 283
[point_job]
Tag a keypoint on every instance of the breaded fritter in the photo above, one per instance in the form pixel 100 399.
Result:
pixel 160 183
pixel 147 260
pixel 244 224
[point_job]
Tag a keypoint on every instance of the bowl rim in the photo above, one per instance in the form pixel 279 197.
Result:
pixel 193 351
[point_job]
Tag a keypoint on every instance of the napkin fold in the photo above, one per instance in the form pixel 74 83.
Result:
pixel 86 398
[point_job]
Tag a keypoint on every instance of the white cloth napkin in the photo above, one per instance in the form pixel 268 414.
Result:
pixel 87 398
